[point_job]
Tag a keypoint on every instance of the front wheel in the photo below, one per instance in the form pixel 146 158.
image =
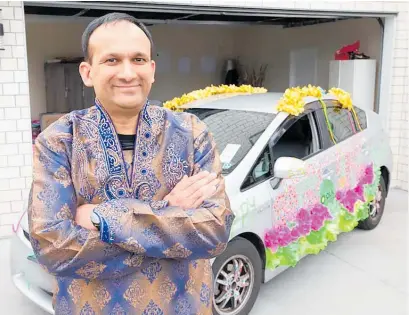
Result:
pixel 376 208
pixel 237 278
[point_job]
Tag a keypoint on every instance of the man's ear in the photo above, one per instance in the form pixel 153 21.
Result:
pixel 153 65
pixel 85 72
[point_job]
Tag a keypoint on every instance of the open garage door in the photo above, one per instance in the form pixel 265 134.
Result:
pixel 251 23
pixel 177 13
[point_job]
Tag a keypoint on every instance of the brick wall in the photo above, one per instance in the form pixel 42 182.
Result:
pixel 398 115
pixel 15 126
pixel 15 122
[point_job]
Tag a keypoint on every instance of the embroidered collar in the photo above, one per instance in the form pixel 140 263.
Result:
pixel 144 111
pixel 114 159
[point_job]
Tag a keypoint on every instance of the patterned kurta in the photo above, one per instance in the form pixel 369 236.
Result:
pixel 149 258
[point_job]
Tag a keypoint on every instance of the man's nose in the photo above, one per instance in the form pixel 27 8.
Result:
pixel 127 72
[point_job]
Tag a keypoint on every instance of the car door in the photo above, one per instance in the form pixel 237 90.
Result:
pixel 303 138
pixel 348 154
pixel 334 165
pixel 300 138
pixel 341 162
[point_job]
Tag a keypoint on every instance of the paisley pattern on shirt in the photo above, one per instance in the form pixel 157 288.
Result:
pixel 148 258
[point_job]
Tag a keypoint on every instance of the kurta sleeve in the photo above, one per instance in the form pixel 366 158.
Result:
pixel 173 232
pixel 61 246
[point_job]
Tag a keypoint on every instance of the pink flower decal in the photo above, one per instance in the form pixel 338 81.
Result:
pixel 310 221
pixel 359 191
pixel 279 236
pixel 319 213
pixel 349 197
pixel 303 216
pixel 296 233
pixel 284 236
pixel 338 195
pixel 303 228
pixel 368 176
pixel 303 222
pixel 270 241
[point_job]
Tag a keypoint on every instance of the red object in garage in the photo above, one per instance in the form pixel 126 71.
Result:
pixel 344 52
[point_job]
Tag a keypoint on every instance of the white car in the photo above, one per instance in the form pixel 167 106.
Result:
pixel 293 185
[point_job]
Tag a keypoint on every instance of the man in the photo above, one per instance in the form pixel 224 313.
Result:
pixel 128 203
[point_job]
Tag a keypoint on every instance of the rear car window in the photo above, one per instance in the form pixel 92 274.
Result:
pixel 342 123
pixel 361 118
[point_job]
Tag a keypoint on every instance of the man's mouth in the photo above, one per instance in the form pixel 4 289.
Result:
pixel 127 86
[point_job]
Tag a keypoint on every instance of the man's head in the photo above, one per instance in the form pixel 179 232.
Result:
pixel 118 61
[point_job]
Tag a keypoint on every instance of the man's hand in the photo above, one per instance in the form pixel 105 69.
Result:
pixel 190 192
pixel 83 216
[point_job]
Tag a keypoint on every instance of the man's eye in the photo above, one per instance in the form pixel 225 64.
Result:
pixel 111 60
pixel 140 60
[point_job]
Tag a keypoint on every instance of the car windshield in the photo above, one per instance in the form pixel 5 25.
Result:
pixel 234 130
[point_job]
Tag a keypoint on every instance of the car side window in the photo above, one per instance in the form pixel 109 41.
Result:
pixel 296 141
pixel 342 123
pixel 261 170
pixel 293 139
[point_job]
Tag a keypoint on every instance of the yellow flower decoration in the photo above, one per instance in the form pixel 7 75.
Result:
pixel 176 103
pixel 293 102
pixel 313 91
pixel 343 97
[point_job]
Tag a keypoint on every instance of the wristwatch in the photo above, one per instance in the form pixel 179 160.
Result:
pixel 159 205
pixel 96 220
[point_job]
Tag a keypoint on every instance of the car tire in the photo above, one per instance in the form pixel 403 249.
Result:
pixel 373 220
pixel 242 253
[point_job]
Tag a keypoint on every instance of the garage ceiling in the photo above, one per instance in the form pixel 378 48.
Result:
pixel 156 13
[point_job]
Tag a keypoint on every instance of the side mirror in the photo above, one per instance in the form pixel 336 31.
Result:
pixel 289 167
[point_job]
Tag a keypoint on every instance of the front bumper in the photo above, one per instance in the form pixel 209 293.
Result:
pixel 28 277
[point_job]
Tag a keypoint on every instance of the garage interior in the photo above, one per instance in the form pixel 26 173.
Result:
pixel 193 46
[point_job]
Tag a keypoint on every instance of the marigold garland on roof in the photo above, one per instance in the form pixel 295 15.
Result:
pixel 176 103
pixel 293 102
pixel 345 100
pixel 343 97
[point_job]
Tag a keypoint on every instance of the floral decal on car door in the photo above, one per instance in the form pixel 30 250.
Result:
pixel 316 225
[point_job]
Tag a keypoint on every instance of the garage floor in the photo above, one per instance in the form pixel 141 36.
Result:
pixel 363 273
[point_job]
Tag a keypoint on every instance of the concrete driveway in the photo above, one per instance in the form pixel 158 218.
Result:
pixel 363 273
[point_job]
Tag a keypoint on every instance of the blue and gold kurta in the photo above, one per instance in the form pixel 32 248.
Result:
pixel 149 258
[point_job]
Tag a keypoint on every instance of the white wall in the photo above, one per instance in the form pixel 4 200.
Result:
pixel 193 41
pixel 60 39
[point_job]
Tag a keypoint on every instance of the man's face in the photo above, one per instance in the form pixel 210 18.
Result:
pixel 119 68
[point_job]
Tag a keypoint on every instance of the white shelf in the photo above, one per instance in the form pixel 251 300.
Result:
pixel 356 77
